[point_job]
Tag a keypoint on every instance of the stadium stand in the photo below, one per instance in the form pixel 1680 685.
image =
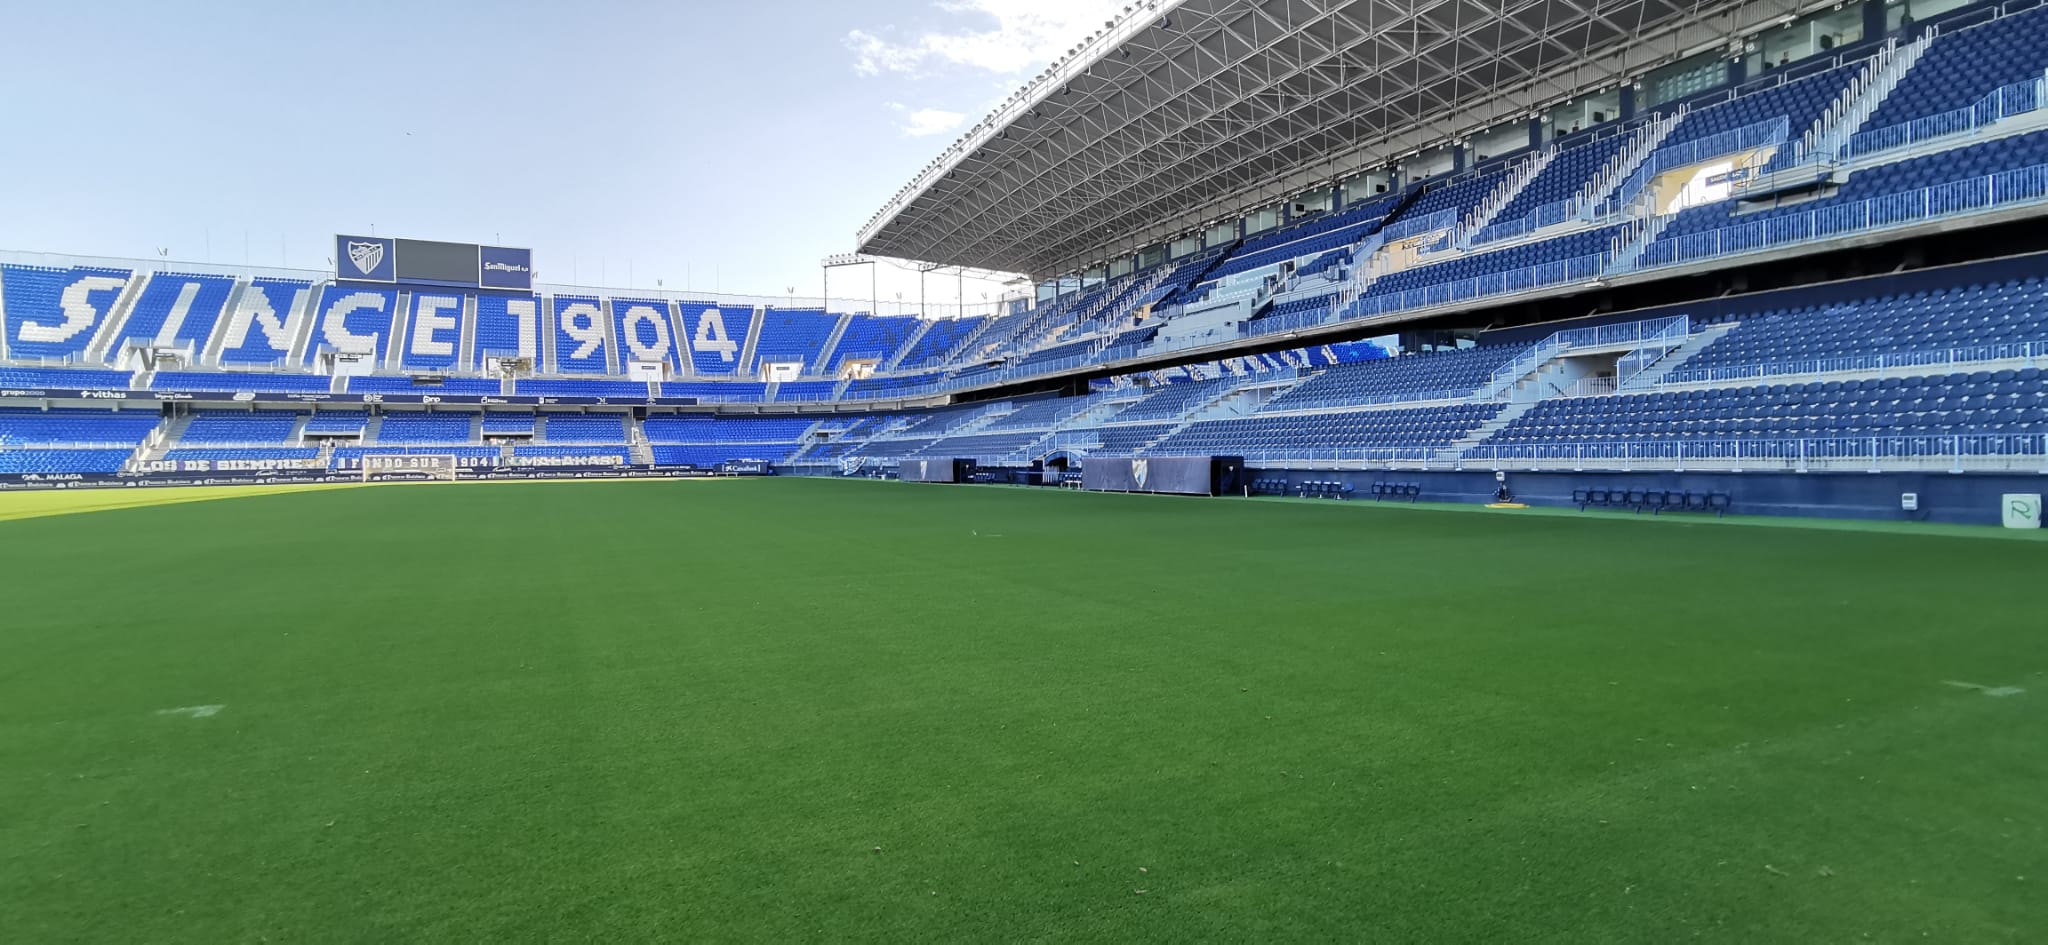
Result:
pixel 54 313
pixel 197 300
pixel 266 427
pixel 229 382
pixel 1953 354
pixel 422 428
pixel 566 428
pixel 73 428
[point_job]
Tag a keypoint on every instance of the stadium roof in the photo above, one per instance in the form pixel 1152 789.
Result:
pixel 1180 113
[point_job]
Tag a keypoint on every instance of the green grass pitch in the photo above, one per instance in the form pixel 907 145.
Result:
pixel 790 711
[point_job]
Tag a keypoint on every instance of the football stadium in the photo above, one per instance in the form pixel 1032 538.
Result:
pixel 1544 471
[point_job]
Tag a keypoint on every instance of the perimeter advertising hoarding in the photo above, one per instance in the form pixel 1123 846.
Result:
pixel 1181 475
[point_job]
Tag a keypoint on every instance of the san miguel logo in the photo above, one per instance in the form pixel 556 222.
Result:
pixel 366 256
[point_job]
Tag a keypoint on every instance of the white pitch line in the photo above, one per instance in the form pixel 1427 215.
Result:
pixel 1987 690
pixel 193 711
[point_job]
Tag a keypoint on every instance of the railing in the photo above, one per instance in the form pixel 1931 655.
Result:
pixel 1874 452
pixel 1351 403
pixel 2018 98
pixel 1511 185
pixel 1507 374
pixel 1555 272
pixel 1549 214
pixel 2016 187
pixel 1427 223
pixel 1903 362
pixel 1595 386
pixel 1648 330
pixel 1746 138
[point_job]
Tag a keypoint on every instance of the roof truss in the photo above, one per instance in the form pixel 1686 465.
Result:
pixel 1206 108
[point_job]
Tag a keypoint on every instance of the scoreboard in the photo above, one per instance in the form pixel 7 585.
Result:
pixel 387 259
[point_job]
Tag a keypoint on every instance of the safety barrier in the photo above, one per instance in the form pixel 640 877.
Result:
pixel 1914 362
pixel 2016 187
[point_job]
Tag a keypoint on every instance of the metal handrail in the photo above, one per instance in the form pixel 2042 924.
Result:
pixel 2031 351
pixel 2016 187
pixel 1999 104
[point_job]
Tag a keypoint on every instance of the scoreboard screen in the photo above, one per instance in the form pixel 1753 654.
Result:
pixel 427 262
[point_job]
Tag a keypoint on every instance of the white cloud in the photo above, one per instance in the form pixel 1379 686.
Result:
pixel 1027 34
pixel 926 122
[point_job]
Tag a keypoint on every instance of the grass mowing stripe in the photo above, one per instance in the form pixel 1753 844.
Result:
pixel 657 711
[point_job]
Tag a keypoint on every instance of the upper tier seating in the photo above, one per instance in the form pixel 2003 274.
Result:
pixel 149 323
pixel 794 334
pixel 1898 177
pixel 1564 177
pixel 1585 243
pixel 871 337
pixel 34 297
pixel 939 340
pixel 1460 193
pixel 1801 101
pixel 1960 68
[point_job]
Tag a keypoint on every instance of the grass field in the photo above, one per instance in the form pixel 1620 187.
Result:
pixel 836 711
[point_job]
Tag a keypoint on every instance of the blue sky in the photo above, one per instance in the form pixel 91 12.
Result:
pixel 710 145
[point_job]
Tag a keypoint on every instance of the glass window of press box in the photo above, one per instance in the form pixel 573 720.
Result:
pixel 1816 35
pixel 1581 113
pixel 1505 138
pixel 1367 186
pixel 1309 203
pixel 1896 12
pixel 1683 79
